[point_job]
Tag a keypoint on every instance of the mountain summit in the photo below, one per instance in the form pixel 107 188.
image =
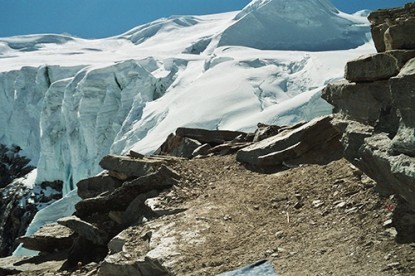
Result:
pixel 309 25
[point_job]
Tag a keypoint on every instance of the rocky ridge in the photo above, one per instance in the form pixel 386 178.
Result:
pixel 375 109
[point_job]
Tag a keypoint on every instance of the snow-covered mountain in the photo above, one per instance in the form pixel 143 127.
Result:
pixel 67 101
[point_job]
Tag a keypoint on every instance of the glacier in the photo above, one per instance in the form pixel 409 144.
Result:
pixel 67 101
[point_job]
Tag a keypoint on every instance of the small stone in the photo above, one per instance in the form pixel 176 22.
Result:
pixel 394 265
pixel 341 204
pixel 391 232
pixel 388 223
pixel 298 205
pixel 318 203
pixel 279 234
pixel 227 218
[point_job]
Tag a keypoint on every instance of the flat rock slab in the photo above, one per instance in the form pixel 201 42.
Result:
pixel 131 167
pixel 381 66
pixel 31 265
pixel 85 230
pixel 51 237
pixel 296 141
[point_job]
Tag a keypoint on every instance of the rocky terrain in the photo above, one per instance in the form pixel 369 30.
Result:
pixel 329 196
pixel 18 202
pixel 375 109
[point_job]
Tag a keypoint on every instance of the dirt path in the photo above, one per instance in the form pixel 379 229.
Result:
pixel 309 220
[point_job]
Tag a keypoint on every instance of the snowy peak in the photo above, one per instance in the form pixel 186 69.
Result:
pixel 310 25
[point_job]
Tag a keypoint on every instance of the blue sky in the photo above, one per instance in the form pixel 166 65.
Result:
pixel 103 18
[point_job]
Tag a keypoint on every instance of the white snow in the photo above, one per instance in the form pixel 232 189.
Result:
pixel 29 179
pixel 67 101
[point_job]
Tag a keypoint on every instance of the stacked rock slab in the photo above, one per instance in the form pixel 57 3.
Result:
pixel 375 107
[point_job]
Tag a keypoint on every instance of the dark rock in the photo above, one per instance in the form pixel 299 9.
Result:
pixel 129 166
pixel 289 144
pixel 202 150
pixel 85 230
pixel 401 35
pixel 264 131
pixel 212 137
pixel 49 238
pixel 18 206
pixel 120 198
pixel 179 146
pixel 12 165
pixel 366 103
pixel 96 185
pixel 82 252
pixel 225 149
pixel 137 210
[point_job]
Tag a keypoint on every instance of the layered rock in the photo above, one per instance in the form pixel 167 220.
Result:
pixel 112 201
pixel 192 142
pixel 375 107
pixel 312 141
pixel 393 28
pixel 50 238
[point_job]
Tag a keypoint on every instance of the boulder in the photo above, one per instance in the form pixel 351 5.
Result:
pixel 93 186
pixel 120 198
pixel 393 174
pixel 85 230
pixel 179 146
pixel 131 167
pixel 401 35
pixel 289 144
pixel 404 101
pixel 381 66
pixel 50 238
pixel 366 103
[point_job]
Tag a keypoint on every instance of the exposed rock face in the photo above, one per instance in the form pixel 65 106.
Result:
pixel 192 142
pixel 12 165
pixel 376 108
pixel 18 206
pixel 393 28
pixel 50 238
pixel 112 202
pixel 290 144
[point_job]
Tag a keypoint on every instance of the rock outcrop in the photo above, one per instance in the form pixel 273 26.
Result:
pixel 375 107
pixel 192 142
pixel 18 206
pixel 292 145
pixel 112 201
